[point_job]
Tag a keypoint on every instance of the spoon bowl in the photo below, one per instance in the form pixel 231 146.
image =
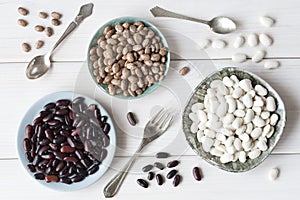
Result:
pixel 222 25
pixel 38 66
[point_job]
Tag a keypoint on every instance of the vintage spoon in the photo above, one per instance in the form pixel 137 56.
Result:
pixel 39 65
pixel 221 25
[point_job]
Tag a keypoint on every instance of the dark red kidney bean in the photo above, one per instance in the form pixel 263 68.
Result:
pixel 173 163
pixel 49 134
pixel 171 174
pixel 67 149
pixel 49 164
pixel 150 176
pixel 63 102
pixel 59 139
pixel 64 133
pixel 159 165
pixel 104 119
pixel 49 106
pixel 28 131
pixel 37 120
pixel 86 162
pixel 36 160
pixel 60 166
pixel 106 128
pixel 142 183
pixel 159 179
pixel 66 180
pixel 59 155
pixel 53 146
pixel 26 144
pixel 131 118
pixel 48 117
pixel 43 149
pixel 62 112
pixel 147 168
pixel 55 162
pixel 44 113
pixel 39 176
pixel 197 174
pixel 51 178
pixel 29 157
pixel 70 159
pixel 70 142
pixel 176 180
pixel 162 155
pixel 54 122
pixel 48 156
pixel 93 169
pixel 31 168
pixel 77 178
pixel 44 142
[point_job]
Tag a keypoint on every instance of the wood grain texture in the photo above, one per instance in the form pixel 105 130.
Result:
pixel 183 36
pixel 216 184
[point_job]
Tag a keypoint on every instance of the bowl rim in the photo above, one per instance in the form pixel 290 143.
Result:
pixel 99 33
pixel 277 97
pixel 105 165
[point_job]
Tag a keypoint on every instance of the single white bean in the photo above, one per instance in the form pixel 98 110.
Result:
pixel 258 56
pixel 237 93
pixel 231 150
pixel 210 133
pixel 220 137
pixel 270 104
pixel 231 104
pixel 247 145
pixel 239 57
pixel 229 141
pixel 239 113
pixel 204 43
pixel 228 118
pixel 258 103
pixel 226 158
pixel 247 100
pixel 226 132
pixel 202 126
pixel 258 121
pixel 199 135
pixel 242 156
pixel 271 132
pixel 266 21
pixel 249 128
pixel 222 109
pixel 266 130
pixel 218 44
pixel 235 80
pixel 237 143
pixel 193 117
pixel 262 145
pixel 240 130
pixel 256 133
pixel 221 148
pixel 201 115
pixel 260 90
pixel 265 115
pixel 207 143
pixel 246 85
pixel 197 106
pixel 216 152
pixel 274 174
pixel 254 153
pixel 237 123
pixel 265 39
pixel 240 105
pixel 239 41
pixel 194 127
pixel 252 40
pixel 244 137
pixel 271 64
pixel 249 116
pixel 257 109
pixel 227 81
pixel 274 119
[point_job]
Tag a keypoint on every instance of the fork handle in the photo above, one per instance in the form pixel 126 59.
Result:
pixel 115 183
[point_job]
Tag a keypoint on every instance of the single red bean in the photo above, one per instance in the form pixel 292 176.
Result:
pixel 197 174
pixel 51 178
pixel 67 149
pixel 26 144
pixel 176 180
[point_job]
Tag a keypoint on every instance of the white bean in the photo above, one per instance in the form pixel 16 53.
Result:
pixel 247 145
pixel 216 152
pixel 271 132
pixel 260 90
pixel 266 130
pixel 218 44
pixel 266 21
pixel 227 81
pixel 226 158
pixel 197 106
pixel 240 130
pixel 249 116
pixel 237 93
pixel 207 143
pixel 226 132
pixel 220 137
pixel 201 115
pixel 228 118
pixel 271 64
pixel 265 39
pixel 246 85
pixel 194 127
pixel 252 40
pixel 258 103
pixel 231 150
pixel 249 128
pixel 252 93
pixel 256 133
pixel 239 57
pixel 247 100
pixel 242 156
pixel 254 153
pixel 202 126
pixel 235 80
pixel 258 56
pixel 244 137
pixel 221 148
pixel 239 41
pixel 210 133
pixel 222 109
pixel 231 104
pixel 193 117
pixel 199 135
pixel 262 145
pixel 204 43
pixel 239 113
pixel 274 119
pixel 240 105
pixel 258 121
pixel 265 115
pixel 257 109
pixel 237 143
pixel 274 174
pixel 270 104
pixel 237 123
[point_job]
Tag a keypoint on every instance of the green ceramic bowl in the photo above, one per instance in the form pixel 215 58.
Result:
pixel 198 96
pixel 112 23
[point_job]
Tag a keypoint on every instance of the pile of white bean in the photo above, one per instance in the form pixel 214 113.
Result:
pixel 235 120
pixel 252 40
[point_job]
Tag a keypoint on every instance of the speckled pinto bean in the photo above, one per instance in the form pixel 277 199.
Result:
pixel 67 141
pixel 128 58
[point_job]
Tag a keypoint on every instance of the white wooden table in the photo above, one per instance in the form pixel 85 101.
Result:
pixel 69 74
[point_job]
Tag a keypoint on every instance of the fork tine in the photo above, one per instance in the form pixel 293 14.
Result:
pixel 157 116
pixel 166 122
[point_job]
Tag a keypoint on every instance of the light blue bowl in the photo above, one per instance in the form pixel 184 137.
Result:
pixel 34 111
pixel 112 23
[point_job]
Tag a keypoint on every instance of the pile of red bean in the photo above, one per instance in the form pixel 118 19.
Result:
pixel 67 141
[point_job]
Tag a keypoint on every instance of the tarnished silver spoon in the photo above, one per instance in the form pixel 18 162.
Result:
pixel 39 65
pixel 221 25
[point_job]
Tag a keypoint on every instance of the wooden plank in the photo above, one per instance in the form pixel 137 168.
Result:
pixel 182 36
pixel 216 184
pixel 18 94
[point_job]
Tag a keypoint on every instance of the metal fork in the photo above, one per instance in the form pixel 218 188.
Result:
pixel 154 128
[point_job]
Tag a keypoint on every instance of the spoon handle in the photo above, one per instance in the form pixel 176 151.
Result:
pixel 115 183
pixel 160 12
pixel 85 11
